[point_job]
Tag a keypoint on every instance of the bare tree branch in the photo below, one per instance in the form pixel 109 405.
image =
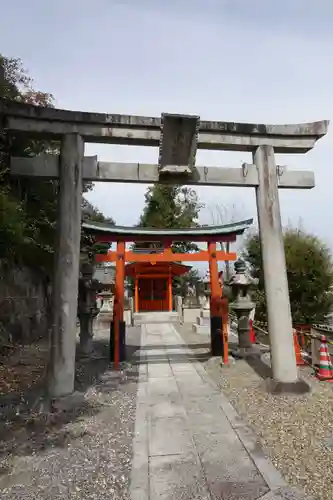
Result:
pixel 220 214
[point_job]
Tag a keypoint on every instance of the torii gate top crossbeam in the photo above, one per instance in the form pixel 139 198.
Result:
pixel 146 131
pixel 227 232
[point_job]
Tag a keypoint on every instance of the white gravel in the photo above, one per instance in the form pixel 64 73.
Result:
pixel 296 432
pixel 83 450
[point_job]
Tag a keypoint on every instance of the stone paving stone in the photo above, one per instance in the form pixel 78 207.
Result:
pixel 160 353
pixel 162 385
pixel 285 493
pixel 166 409
pixel 140 469
pixel 203 413
pixel 159 370
pixel 221 489
pixel 169 343
pixel 154 340
pixel 212 445
pixel 163 390
pixel 183 351
pixel 169 436
pixel 199 390
pixel 177 477
pixel 171 398
pixel 182 367
pixel 188 378
pixel 229 470
pixel 191 447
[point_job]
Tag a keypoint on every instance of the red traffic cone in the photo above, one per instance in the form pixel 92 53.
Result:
pixel 252 333
pixel 325 371
pixel 299 360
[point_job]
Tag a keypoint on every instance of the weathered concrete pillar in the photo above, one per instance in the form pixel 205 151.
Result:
pixel 284 367
pixel 66 275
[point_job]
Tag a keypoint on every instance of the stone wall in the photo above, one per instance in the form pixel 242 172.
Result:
pixel 24 304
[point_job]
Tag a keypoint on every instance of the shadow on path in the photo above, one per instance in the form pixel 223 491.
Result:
pixel 262 369
pixel 165 354
pixel 256 363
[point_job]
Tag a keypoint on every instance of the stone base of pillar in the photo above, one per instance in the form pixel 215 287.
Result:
pixel 297 387
pixel 68 403
pixel 86 345
pixel 86 334
pixel 274 386
pixel 122 341
pixel 216 340
pixel 247 352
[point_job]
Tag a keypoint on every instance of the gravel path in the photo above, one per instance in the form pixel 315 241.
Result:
pixel 296 432
pixel 84 449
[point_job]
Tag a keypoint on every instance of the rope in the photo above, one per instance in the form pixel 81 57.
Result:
pixel 325 328
pixel 312 336
pixel 305 354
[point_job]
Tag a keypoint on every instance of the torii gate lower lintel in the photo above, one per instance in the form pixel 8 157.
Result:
pixel 178 137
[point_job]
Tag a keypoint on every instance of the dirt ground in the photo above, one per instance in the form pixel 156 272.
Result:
pixel 82 449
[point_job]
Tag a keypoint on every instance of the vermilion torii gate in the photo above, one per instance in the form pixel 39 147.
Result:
pixel 211 235
pixel 178 137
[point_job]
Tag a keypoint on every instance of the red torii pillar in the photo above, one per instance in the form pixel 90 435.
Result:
pixel 216 324
pixel 117 330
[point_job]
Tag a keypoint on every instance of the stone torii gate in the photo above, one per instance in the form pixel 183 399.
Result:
pixel 178 137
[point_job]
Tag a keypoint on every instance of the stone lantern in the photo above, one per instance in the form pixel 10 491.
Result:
pixel 206 291
pixel 241 283
pixel 87 305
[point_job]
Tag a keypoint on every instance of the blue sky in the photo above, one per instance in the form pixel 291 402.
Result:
pixel 234 60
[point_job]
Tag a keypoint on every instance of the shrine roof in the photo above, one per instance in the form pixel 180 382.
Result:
pixel 232 229
pixel 142 268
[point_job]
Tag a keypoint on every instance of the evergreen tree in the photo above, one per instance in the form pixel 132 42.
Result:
pixel 28 206
pixel 173 207
pixel 309 271
pixel 88 246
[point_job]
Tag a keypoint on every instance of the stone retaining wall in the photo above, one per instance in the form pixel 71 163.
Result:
pixel 24 304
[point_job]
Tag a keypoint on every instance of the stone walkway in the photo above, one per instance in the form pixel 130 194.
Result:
pixel 189 441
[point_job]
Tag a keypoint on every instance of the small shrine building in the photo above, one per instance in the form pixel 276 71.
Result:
pixel 153 284
pixel 153 271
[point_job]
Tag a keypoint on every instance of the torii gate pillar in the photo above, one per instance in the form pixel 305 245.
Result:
pixel 66 267
pixel 275 273
pixel 178 137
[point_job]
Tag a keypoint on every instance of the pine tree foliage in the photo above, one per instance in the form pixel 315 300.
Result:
pixel 173 207
pixel 309 271
pixel 28 206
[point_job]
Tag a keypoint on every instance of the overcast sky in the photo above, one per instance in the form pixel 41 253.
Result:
pixel 258 61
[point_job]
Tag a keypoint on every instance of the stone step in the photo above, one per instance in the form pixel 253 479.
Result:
pixel 155 317
pixel 203 321
pixel 205 313
pixel 201 329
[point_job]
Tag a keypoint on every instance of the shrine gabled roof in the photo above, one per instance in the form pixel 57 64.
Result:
pixel 142 268
pixel 235 228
